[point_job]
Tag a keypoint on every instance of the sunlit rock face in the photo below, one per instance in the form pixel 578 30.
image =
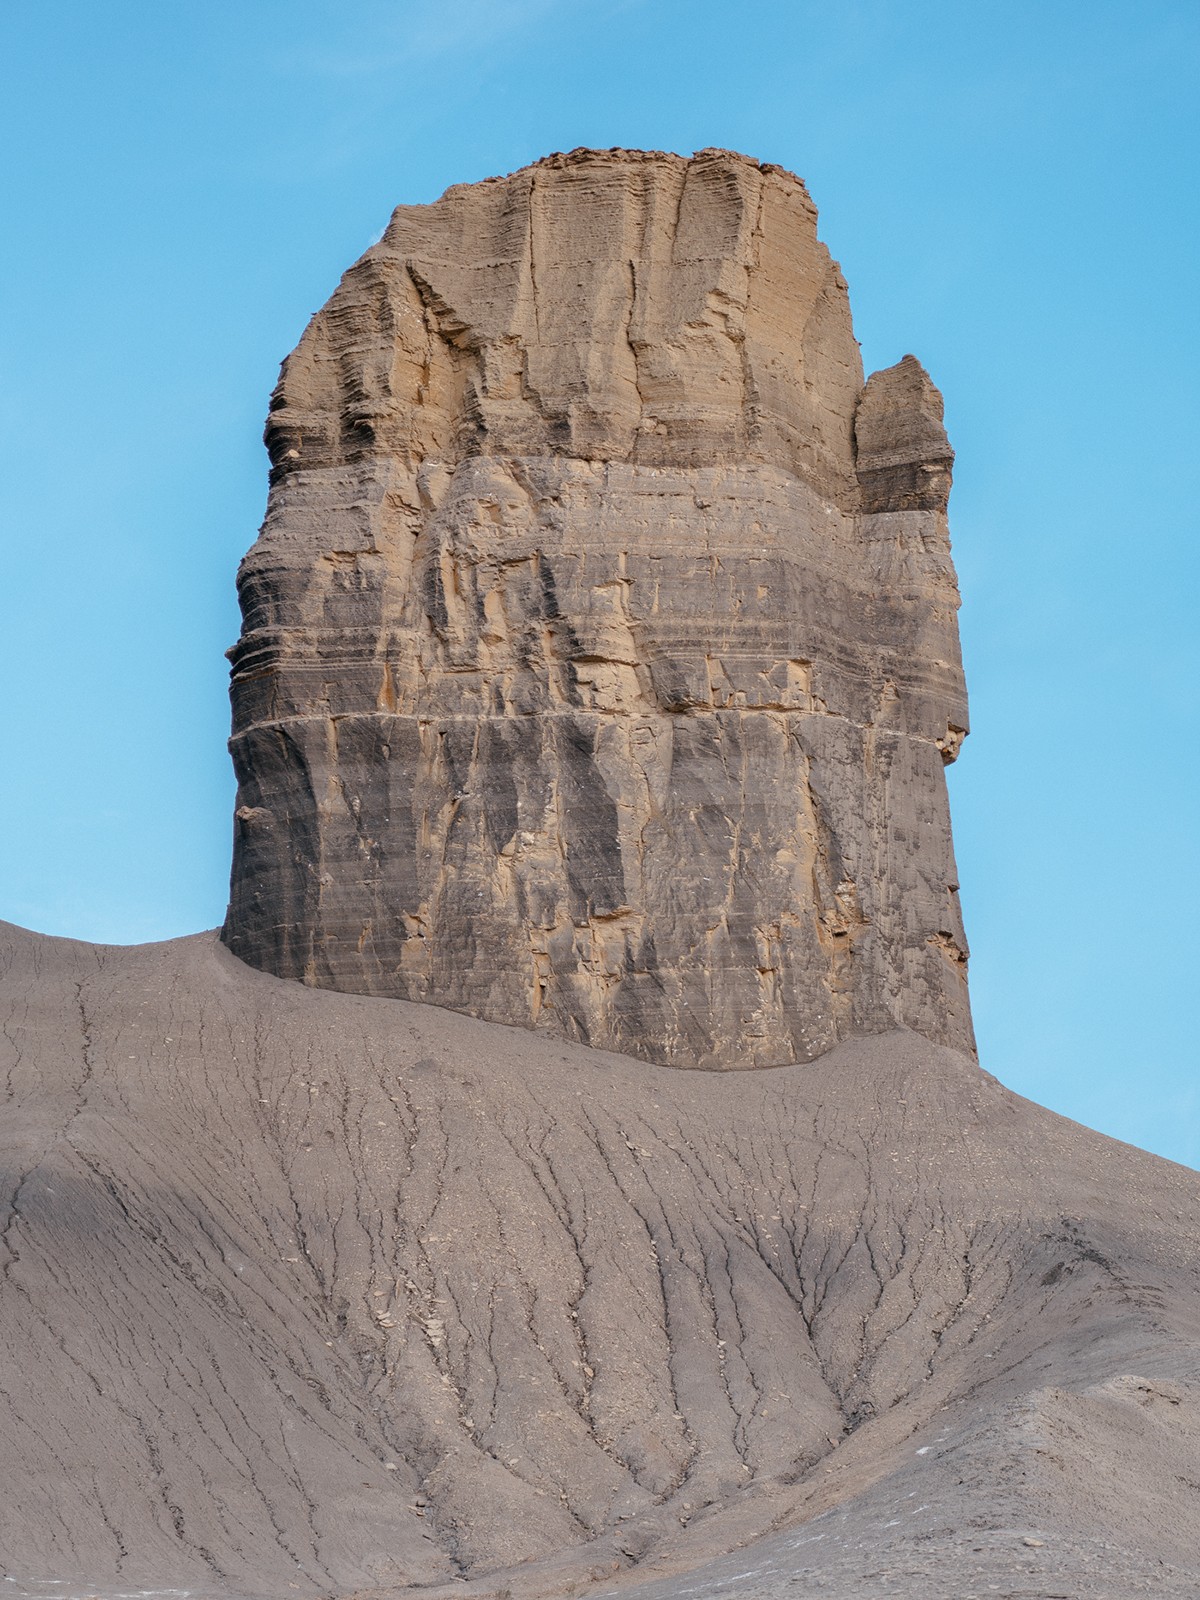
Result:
pixel 600 662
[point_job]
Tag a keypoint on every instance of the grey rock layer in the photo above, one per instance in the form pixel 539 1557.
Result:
pixel 307 1295
pixel 600 658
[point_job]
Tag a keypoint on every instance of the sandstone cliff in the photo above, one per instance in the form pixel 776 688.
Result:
pixel 598 672
pixel 600 658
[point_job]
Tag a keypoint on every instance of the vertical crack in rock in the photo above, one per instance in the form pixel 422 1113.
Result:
pixel 599 660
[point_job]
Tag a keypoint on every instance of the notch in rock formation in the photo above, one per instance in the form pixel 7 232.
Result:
pixel 599 658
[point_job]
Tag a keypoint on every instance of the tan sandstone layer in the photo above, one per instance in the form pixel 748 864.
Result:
pixel 600 656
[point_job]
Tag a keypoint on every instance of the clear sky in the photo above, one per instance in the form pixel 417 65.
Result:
pixel 1012 188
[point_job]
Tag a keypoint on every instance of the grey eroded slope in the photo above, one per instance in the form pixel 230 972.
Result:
pixel 306 1293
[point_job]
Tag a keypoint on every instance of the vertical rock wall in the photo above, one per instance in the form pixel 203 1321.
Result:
pixel 600 659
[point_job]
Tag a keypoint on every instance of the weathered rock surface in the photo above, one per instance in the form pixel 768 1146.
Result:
pixel 307 1294
pixel 600 657
pixel 598 670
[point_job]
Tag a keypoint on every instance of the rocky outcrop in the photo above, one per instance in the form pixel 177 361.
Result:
pixel 599 660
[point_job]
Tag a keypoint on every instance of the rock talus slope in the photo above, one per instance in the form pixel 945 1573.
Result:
pixel 600 656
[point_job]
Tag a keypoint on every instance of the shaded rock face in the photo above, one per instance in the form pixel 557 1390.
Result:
pixel 600 661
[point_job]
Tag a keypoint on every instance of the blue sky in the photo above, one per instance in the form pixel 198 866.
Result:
pixel 1012 191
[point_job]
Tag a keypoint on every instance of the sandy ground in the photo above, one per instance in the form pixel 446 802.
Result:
pixel 304 1294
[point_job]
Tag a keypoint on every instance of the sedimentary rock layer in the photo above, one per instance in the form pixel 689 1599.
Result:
pixel 600 660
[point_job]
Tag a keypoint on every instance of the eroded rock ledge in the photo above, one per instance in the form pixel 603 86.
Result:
pixel 600 659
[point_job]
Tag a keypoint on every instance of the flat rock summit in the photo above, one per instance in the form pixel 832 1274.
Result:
pixel 598 673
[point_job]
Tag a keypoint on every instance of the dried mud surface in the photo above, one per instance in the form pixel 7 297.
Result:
pixel 314 1294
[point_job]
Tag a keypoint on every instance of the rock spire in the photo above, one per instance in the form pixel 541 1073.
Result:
pixel 599 659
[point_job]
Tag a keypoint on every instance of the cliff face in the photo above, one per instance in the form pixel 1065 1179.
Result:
pixel 599 660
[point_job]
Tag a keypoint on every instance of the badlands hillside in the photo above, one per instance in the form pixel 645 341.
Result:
pixel 569 1171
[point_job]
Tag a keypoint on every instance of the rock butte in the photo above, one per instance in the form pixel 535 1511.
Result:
pixel 600 658
pixel 598 671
